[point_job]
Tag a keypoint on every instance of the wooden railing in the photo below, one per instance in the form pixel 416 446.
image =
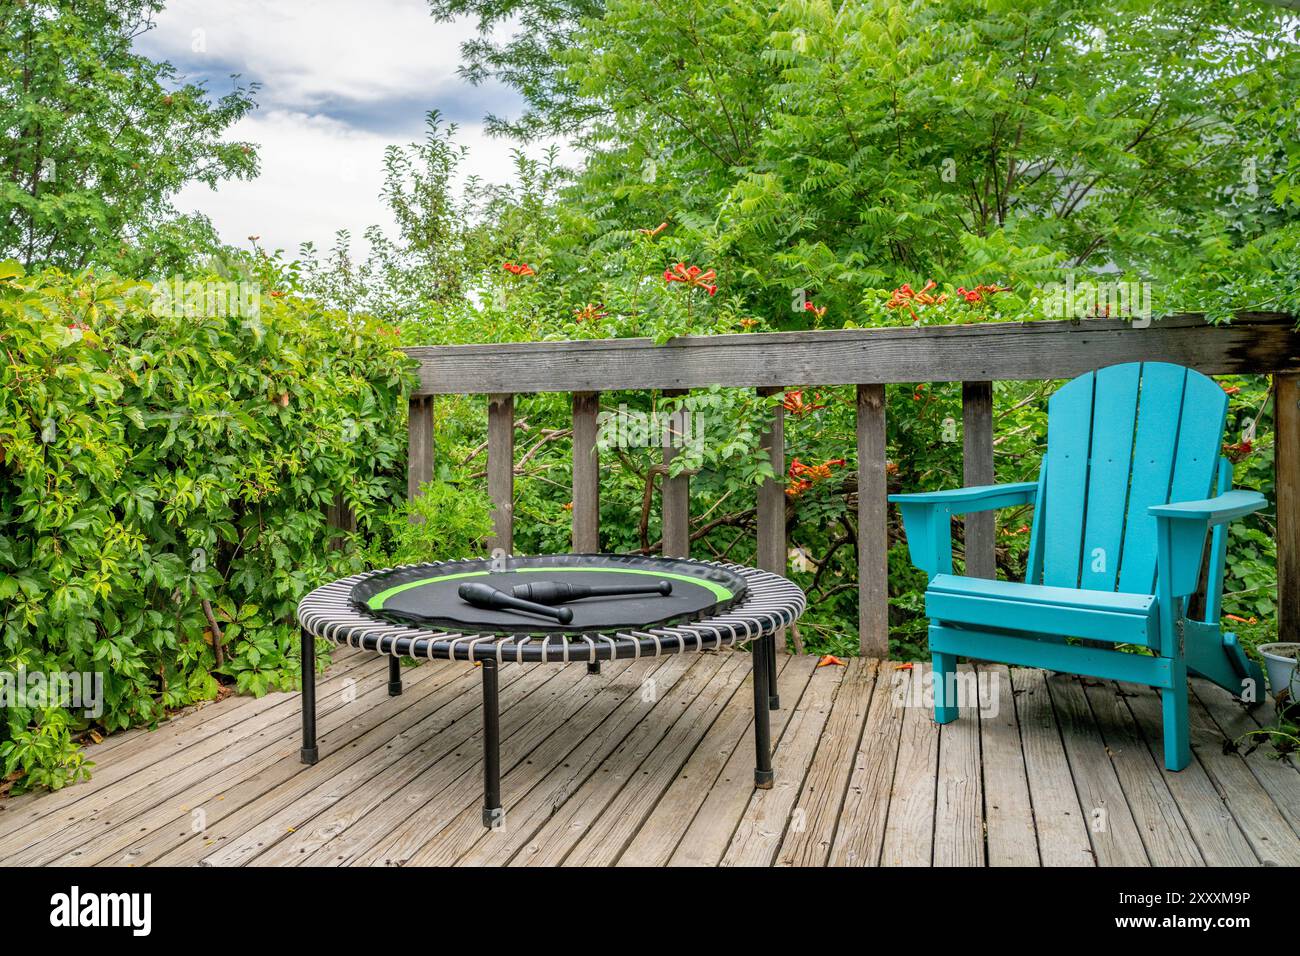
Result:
pixel 975 355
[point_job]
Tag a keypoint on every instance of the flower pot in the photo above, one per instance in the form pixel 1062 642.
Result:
pixel 1280 663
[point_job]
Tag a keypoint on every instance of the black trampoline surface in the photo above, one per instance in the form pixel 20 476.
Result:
pixel 426 595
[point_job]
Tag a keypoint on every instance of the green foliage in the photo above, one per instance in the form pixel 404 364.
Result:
pixel 94 138
pixel 157 454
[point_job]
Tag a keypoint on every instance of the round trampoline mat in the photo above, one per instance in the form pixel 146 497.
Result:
pixel 427 595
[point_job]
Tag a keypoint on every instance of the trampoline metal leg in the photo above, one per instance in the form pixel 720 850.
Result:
pixel 763 775
pixel 491 747
pixel 593 667
pixel 394 676
pixel 773 692
pixel 308 754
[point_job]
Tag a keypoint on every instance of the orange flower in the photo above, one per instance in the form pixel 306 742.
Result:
pixel 692 276
pixel 802 477
pixel 794 403
pixel 978 293
pixel 809 307
pixel 748 323
pixel 590 312
pixel 522 269
pixel 830 660
pixel 1239 620
pixel 904 297
pixel 655 231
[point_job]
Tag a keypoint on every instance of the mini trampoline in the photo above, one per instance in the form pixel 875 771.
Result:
pixel 550 609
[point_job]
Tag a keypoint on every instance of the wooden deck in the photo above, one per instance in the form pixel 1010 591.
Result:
pixel 650 763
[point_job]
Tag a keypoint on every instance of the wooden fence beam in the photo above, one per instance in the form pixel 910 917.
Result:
pixel 586 473
pixel 501 469
pixel 977 469
pixel 873 524
pixel 985 352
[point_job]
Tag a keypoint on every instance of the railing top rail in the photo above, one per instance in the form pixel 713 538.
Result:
pixel 1255 342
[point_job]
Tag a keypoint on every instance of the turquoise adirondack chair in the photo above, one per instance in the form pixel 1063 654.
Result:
pixel 1122 507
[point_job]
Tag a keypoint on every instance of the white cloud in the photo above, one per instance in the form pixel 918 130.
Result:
pixel 307 53
pixel 318 176
pixel 339 82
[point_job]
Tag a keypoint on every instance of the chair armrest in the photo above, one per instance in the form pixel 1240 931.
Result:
pixel 976 498
pixel 1213 511
pixel 1180 536
pixel 926 514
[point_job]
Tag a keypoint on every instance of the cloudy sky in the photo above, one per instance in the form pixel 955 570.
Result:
pixel 340 80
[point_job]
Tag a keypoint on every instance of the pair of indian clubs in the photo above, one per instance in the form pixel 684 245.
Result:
pixel 542 597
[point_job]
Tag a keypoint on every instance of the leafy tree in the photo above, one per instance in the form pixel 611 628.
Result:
pixel 831 148
pixel 94 137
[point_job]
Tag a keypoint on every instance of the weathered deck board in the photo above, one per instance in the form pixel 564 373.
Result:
pixel 860 835
pixel 1062 828
pixel 1008 812
pixel 650 763
pixel 1111 827
pixel 909 828
pixel 959 795
pixel 1160 824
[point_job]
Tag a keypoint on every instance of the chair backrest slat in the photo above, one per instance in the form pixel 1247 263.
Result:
pixel 1120 440
pixel 1069 435
pixel 1114 416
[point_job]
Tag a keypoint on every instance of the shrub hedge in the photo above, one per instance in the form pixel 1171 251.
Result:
pixel 166 454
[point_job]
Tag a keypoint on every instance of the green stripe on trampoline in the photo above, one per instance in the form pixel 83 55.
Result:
pixel 377 602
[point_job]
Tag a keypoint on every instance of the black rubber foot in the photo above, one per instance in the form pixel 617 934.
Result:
pixel 774 702
pixel 490 817
pixel 394 688
pixel 593 667
pixel 763 779
pixel 309 754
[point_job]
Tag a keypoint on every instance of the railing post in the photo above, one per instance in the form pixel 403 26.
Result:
pixel 676 499
pixel 419 444
pixel 501 469
pixel 586 473
pixel 873 526
pixel 771 495
pixel 771 522
pixel 1286 405
pixel 977 469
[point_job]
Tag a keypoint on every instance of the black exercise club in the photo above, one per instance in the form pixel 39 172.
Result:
pixel 558 592
pixel 486 596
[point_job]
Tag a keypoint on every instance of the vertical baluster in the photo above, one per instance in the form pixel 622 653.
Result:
pixel 977 469
pixel 419 444
pixel 771 532
pixel 676 498
pixel 501 469
pixel 771 495
pixel 1286 402
pixel 873 526
pixel 586 473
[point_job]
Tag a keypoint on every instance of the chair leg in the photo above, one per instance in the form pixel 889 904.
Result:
pixel 945 688
pixel 1173 704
